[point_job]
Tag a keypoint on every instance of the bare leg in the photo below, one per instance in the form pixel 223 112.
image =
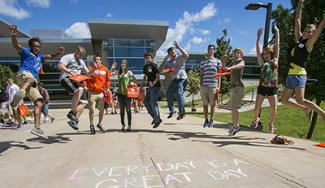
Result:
pixel 235 117
pixel 100 118
pixel 258 105
pixel 75 100
pixel 287 93
pixel 38 105
pixel 205 110
pixel 80 109
pixel 212 110
pixel 273 108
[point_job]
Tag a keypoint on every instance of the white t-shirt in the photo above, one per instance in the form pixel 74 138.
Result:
pixel 73 65
pixel 12 90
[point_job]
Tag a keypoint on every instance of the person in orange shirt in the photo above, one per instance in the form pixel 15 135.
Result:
pixel 97 85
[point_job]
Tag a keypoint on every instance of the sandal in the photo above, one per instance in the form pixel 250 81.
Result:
pixel 281 140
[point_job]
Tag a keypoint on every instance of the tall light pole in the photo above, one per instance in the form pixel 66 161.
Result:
pixel 255 6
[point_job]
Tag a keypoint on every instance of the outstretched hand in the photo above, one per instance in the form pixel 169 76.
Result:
pixel 13 29
pixel 276 29
pixel 176 45
pixel 259 32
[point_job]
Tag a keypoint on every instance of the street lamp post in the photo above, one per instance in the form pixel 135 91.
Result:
pixel 255 6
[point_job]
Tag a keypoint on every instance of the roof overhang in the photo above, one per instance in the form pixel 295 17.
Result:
pixel 49 46
pixel 5 31
pixel 109 29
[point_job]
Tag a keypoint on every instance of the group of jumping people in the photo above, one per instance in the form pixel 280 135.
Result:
pixel 95 87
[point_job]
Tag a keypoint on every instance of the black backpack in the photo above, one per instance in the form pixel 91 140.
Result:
pixel 3 96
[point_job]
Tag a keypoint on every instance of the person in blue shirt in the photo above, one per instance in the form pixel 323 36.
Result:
pixel 31 62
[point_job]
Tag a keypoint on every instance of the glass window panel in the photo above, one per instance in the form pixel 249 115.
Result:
pixel 136 42
pixel 110 52
pixel 136 52
pixel 122 52
pixel 121 42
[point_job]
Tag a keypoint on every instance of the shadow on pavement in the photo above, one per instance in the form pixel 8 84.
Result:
pixel 51 140
pixel 4 146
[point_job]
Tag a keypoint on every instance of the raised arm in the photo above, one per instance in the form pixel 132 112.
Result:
pixel 15 44
pixel 310 43
pixel 183 51
pixel 277 42
pixel 258 50
pixel 51 56
pixel 298 33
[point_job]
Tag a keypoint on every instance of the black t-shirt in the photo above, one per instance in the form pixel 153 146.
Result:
pixel 150 70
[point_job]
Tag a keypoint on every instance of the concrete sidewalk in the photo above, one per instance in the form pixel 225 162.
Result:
pixel 177 154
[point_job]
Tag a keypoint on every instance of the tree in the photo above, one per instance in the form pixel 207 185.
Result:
pixel 312 12
pixel 193 86
pixel 224 48
pixel 5 73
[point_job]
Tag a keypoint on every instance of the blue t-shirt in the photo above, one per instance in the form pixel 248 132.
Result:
pixel 30 62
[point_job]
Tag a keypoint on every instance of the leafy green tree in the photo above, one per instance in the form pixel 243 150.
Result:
pixel 5 73
pixel 193 86
pixel 224 48
pixel 312 12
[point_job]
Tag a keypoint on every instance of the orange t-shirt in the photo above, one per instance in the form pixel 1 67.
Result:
pixel 99 80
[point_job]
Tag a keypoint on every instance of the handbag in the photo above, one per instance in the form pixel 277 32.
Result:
pixel 133 90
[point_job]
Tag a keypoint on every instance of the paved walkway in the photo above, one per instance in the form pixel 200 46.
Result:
pixel 177 154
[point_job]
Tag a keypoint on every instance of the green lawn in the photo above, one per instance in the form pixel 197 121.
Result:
pixel 289 122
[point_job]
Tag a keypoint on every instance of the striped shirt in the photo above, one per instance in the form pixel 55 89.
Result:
pixel 210 67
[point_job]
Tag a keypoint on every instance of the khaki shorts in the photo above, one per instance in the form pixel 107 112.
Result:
pixel 32 93
pixel 236 95
pixel 95 100
pixel 208 95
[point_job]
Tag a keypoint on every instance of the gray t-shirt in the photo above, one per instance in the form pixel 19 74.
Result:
pixel 73 65
pixel 236 75
pixel 179 65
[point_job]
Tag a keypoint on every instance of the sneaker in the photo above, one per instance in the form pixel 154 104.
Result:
pixel 234 131
pixel 38 132
pixel 25 122
pixel 123 127
pixel 256 123
pixel 157 123
pixel 170 115
pixel 129 128
pixel 2 121
pixel 230 130
pixel 271 128
pixel 180 116
pixel 52 119
pixel 73 124
pixel 210 124
pixel 72 117
pixel 153 122
pixel 100 128
pixel 18 125
pixel 92 129
pixel 206 122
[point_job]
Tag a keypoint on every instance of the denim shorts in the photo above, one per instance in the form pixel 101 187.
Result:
pixel 296 81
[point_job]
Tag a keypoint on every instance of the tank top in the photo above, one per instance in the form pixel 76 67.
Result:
pixel 298 58
pixel 269 74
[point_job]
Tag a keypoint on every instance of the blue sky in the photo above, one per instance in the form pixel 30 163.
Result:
pixel 194 23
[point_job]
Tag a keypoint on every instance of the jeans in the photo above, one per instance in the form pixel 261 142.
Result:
pixel 45 109
pixel 150 102
pixel 177 86
pixel 125 103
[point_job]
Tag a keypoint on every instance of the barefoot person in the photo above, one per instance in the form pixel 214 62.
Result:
pixel 268 85
pixel 31 61
pixel 176 68
pixel 297 76
pixel 209 85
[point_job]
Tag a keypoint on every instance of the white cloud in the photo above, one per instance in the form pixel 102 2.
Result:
pixel 185 24
pixel 39 3
pixel 193 41
pixel 205 31
pixel 10 8
pixel 109 15
pixel 253 50
pixel 78 30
